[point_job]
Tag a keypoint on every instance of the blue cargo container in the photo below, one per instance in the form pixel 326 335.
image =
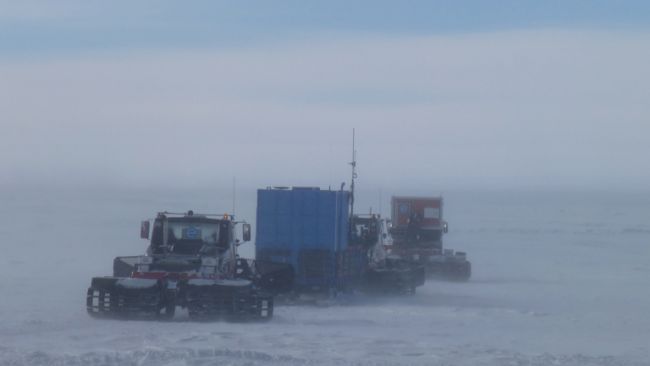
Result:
pixel 308 228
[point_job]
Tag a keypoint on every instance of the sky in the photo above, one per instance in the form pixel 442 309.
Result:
pixel 442 94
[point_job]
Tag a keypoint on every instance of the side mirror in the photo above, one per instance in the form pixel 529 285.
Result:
pixel 246 232
pixel 144 229
pixel 445 227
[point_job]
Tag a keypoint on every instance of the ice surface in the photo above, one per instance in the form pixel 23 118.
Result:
pixel 559 279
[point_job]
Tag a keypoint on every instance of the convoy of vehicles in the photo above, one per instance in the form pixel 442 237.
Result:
pixel 308 241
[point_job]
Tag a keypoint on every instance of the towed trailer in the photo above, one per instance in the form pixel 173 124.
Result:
pixel 312 230
pixel 329 248
pixel 307 228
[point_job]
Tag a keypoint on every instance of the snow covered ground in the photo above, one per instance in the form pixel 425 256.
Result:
pixel 559 279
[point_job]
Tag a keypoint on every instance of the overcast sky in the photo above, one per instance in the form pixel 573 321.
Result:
pixel 443 94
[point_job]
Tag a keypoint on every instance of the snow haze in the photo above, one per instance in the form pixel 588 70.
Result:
pixel 558 279
pixel 543 108
pixel 531 118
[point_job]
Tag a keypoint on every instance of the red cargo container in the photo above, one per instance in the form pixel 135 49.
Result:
pixel 425 211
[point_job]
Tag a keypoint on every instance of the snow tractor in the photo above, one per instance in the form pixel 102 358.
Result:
pixel 417 230
pixel 192 263
pixel 383 274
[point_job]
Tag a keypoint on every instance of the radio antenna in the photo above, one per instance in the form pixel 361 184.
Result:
pixel 354 174
pixel 234 195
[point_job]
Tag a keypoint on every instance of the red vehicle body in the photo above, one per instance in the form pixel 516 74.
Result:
pixel 430 209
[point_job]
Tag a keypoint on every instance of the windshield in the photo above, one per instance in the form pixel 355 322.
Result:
pixel 364 231
pixel 193 237
pixel 425 236
pixel 416 236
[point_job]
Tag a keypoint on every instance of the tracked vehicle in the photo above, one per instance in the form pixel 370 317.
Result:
pixel 417 231
pixel 192 263
pixel 383 273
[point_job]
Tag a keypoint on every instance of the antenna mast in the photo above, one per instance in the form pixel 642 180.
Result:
pixel 354 174
pixel 234 195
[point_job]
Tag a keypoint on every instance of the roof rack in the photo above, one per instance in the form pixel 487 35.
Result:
pixel 289 188
pixel 191 213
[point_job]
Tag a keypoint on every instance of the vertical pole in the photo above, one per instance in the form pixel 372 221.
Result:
pixel 354 175
pixel 234 196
